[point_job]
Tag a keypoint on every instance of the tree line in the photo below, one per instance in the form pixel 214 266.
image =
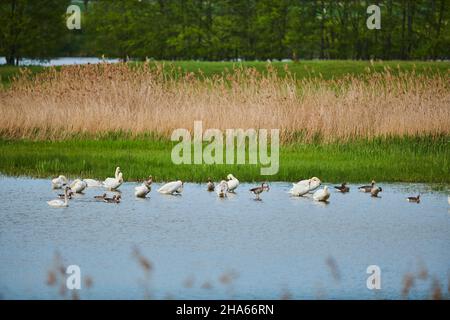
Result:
pixel 226 29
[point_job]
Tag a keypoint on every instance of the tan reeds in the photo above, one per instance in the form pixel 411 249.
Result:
pixel 96 99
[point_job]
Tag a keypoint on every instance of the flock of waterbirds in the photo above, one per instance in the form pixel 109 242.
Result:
pixel 302 188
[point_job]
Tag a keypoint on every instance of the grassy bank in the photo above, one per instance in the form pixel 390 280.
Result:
pixel 397 159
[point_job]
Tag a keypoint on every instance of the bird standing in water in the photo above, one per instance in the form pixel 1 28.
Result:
pixel 210 186
pixel 258 190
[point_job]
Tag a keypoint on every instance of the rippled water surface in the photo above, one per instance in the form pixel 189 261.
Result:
pixel 203 247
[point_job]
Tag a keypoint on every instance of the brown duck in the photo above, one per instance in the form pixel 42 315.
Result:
pixel 343 188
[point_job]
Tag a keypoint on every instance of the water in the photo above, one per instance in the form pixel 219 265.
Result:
pixel 63 61
pixel 280 245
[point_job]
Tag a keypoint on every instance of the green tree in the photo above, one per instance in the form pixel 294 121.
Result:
pixel 33 29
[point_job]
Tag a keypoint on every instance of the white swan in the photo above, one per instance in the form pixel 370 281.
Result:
pixel 113 183
pixel 92 183
pixel 312 183
pixel 116 173
pixel 222 189
pixel 59 182
pixel 142 190
pixel 233 183
pixel 322 194
pixel 299 189
pixel 448 199
pixel 171 187
pixel 305 186
pixel 78 186
pixel 58 203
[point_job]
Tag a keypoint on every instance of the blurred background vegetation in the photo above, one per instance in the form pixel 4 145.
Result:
pixel 217 30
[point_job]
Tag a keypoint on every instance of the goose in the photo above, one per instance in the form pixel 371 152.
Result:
pixel 59 182
pixel 172 187
pixel 102 197
pixel 258 190
pixel 78 186
pixel 322 194
pixel 114 199
pixel 58 203
pixel 233 183
pixel 367 188
pixel 91 183
pixel 142 190
pixel 343 187
pixel 113 183
pixel 222 189
pixel 414 199
pixel 210 186
pixel 374 191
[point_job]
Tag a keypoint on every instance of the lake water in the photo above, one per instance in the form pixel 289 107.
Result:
pixel 63 61
pixel 203 247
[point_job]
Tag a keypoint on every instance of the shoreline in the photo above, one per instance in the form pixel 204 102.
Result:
pixel 408 160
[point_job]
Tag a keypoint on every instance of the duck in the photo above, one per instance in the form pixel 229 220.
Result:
pixel 59 182
pixel 78 186
pixel 58 203
pixel 367 188
pixel 142 190
pixel 222 189
pixel 63 195
pixel 322 194
pixel 102 197
pixel 414 199
pixel 210 186
pixel 172 187
pixel 113 183
pixel 374 191
pixel 342 188
pixel 91 183
pixel 114 199
pixel 233 183
pixel 258 190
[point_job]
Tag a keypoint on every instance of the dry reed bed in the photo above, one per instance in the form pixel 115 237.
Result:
pixel 96 99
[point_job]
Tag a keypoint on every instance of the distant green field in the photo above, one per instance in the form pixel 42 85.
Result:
pixel 423 159
pixel 303 69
